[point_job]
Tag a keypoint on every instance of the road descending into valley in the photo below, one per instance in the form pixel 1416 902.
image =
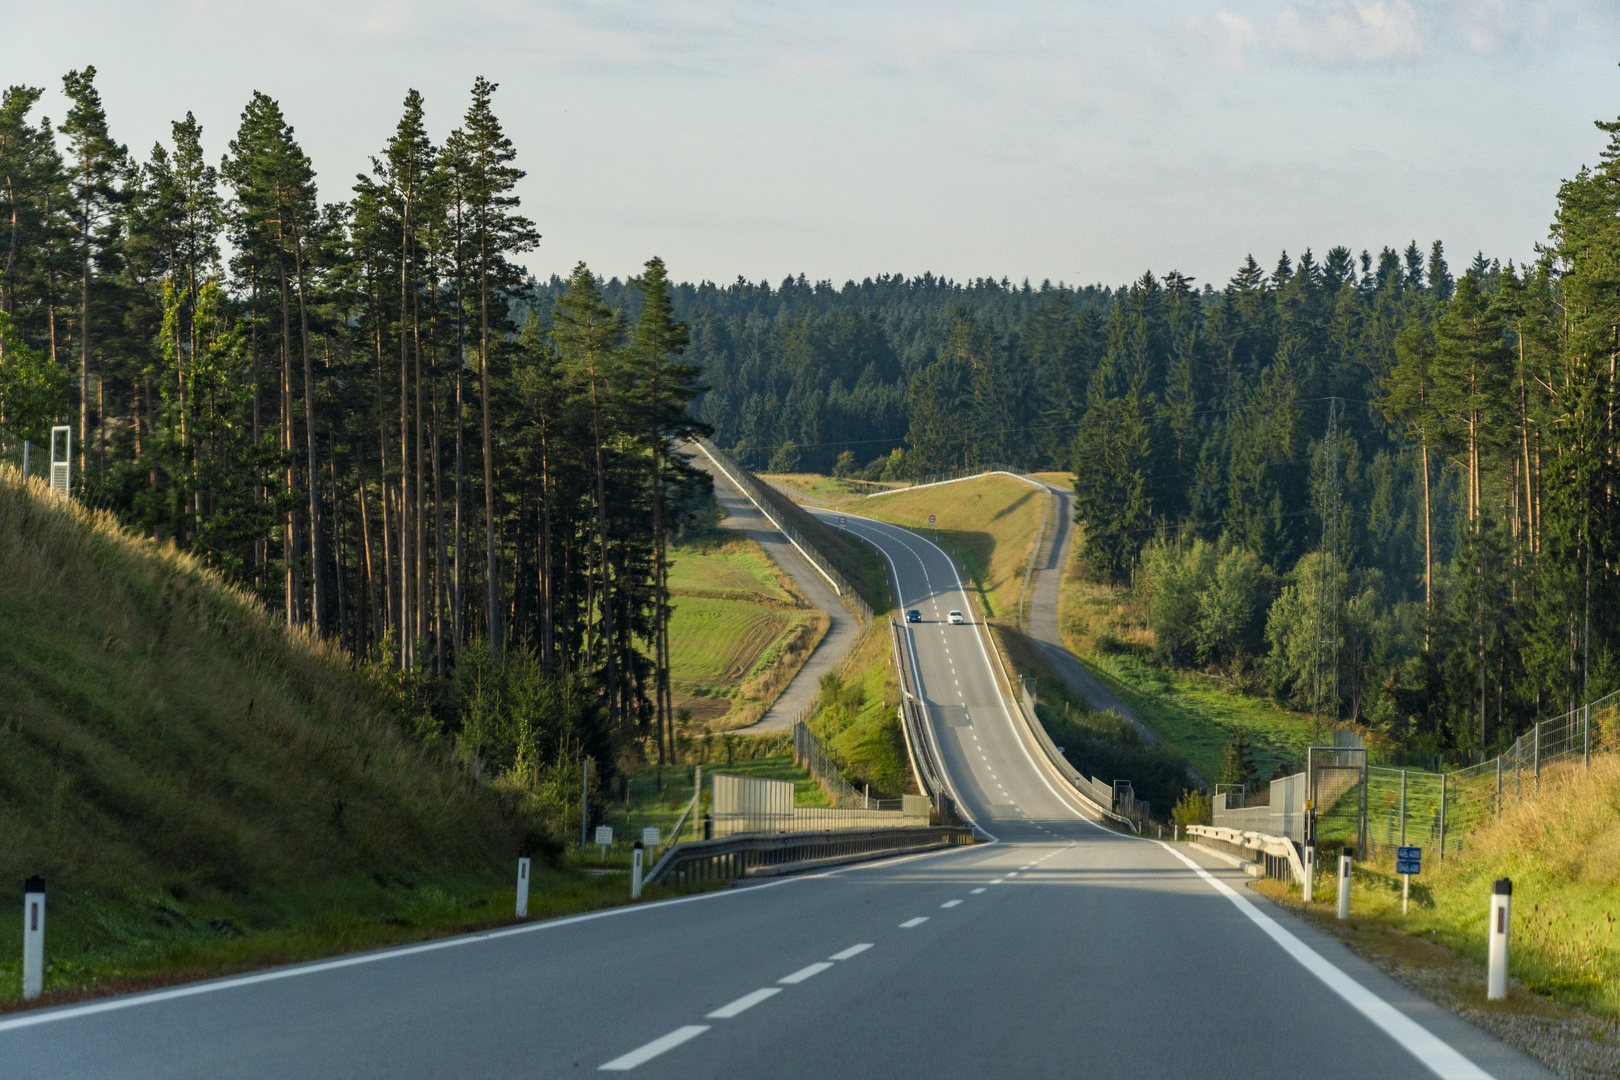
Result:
pixel 1058 949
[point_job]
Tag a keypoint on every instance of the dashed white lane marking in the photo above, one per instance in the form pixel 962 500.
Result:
pixel 853 950
pixel 950 903
pixel 744 1003
pixel 998 881
pixel 646 1053
pixel 909 923
pixel 977 891
pixel 804 973
pixel 1012 873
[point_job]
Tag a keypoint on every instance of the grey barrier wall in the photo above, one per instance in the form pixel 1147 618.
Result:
pixel 777 509
pixel 1284 815
pixel 751 805
pixel 697 862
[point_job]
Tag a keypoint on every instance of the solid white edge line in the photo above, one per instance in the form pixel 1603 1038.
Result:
pixel 626 1062
pixel 743 1004
pixel 74 1012
pixel 1432 1051
pixel 804 973
pixel 911 648
pixel 851 952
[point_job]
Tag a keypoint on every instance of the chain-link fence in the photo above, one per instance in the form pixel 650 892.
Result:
pixel 1379 808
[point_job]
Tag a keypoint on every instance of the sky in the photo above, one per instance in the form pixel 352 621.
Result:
pixel 1077 142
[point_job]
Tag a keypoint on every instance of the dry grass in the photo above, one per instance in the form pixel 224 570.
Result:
pixel 1561 848
pixel 182 768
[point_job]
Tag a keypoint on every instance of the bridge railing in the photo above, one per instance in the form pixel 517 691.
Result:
pixel 697 862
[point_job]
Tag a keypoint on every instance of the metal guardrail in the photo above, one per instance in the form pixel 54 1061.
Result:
pixel 767 500
pixel 754 855
pixel 1278 848
pixel 913 725
pixel 992 469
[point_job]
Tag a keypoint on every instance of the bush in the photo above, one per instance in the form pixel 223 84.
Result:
pixel 1193 808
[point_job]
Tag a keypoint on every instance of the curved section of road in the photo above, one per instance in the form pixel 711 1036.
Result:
pixel 843 628
pixel 1062 949
pixel 1046 586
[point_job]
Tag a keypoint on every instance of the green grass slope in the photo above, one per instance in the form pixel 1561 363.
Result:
pixel 190 776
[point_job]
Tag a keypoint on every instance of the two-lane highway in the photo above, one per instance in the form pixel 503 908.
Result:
pixel 1061 949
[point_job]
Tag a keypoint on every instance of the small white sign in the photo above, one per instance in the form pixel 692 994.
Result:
pixel 604 834
pixel 930 519
pixel 840 520
pixel 649 836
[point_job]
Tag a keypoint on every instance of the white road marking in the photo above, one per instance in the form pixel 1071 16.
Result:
pixel 852 951
pixel 1013 873
pixel 977 891
pixel 654 1048
pixel 1436 1054
pixel 744 1003
pixel 950 903
pixel 909 923
pixel 804 973
pixel 998 881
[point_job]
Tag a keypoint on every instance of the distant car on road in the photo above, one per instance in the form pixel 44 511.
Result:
pixel 954 618
pixel 913 615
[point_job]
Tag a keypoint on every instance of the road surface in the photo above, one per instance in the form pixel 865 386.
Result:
pixel 1060 949
pixel 843 628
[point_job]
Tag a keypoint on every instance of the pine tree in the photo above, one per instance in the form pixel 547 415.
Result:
pixel 494 231
pixel 97 166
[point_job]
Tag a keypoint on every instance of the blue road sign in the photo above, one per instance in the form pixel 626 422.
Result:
pixel 1408 866
pixel 1412 853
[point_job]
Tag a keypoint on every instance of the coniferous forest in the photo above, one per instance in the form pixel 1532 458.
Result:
pixel 366 413
pixel 347 408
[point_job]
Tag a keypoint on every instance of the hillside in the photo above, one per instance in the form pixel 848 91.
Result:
pixel 189 776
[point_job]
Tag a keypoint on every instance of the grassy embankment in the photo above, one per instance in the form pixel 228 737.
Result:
pixel 739 632
pixel 1561 848
pixel 855 717
pixel 205 791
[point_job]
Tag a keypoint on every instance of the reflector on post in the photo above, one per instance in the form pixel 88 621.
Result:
pixel 62 466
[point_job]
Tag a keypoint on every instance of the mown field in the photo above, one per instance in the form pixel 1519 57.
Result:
pixel 740 630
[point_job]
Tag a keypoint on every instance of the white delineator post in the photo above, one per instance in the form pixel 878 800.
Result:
pixel 523 887
pixel 635 871
pixel 1344 884
pixel 1501 916
pixel 33 937
pixel 1308 886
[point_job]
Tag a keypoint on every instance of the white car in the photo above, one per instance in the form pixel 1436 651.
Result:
pixel 954 618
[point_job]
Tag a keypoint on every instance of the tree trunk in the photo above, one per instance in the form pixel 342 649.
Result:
pixel 491 565
pixel 317 539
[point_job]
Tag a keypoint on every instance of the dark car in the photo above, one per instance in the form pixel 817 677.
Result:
pixel 913 615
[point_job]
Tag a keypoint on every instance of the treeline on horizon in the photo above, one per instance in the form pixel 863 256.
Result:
pixel 350 409
pixel 1378 490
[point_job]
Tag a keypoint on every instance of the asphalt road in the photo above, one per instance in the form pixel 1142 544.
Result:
pixel 1061 949
pixel 843 628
